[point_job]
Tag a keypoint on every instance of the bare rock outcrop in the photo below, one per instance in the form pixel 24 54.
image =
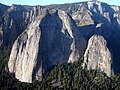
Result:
pixel 14 20
pixel 82 16
pixel 56 37
pixel 44 44
pixel 24 53
pixel 97 55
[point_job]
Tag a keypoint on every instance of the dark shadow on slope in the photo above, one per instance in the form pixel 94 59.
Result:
pixel 54 46
pixel 13 24
pixel 87 31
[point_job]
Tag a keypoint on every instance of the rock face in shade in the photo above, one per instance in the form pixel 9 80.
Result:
pixel 44 44
pixel 97 55
pixel 14 20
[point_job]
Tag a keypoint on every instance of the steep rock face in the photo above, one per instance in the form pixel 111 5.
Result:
pixel 3 8
pixel 31 14
pixel 82 16
pixel 60 38
pixel 14 21
pixel 78 11
pixel 24 53
pixel 97 55
pixel 109 18
pixel 44 44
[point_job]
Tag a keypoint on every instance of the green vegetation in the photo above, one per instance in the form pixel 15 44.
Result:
pixel 63 76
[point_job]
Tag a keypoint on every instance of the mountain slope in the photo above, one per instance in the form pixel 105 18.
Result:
pixel 44 44
pixel 60 34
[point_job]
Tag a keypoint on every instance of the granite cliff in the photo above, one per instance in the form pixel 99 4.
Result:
pixel 98 56
pixel 44 44
pixel 43 36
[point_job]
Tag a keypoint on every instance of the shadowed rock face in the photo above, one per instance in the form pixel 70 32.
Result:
pixel 14 21
pixel 50 40
pixel 97 55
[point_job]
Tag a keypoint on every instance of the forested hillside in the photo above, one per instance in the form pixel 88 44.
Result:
pixel 62 76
